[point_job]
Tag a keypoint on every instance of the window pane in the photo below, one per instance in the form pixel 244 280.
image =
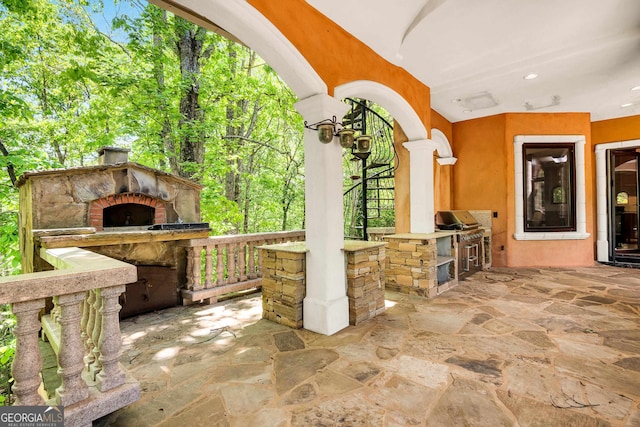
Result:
pixel 622 198
pixel 549 187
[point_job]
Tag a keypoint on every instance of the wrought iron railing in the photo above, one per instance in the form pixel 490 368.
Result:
pixel 376 173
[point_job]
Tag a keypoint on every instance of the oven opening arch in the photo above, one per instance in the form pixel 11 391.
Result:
pixel 126 209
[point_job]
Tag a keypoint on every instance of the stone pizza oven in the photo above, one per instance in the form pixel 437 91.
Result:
pixel 120 209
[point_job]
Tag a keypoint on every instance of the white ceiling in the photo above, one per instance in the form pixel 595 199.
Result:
pixel 473 52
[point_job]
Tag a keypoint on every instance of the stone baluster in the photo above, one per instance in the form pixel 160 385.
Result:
pixel 242 261
pixel 193 268
pixel 96 367
pixel 252 261
pixel 84 306
pixel 27 362
pixel 220 265
pixel 55 312
pixel 231 263
pixel 208 267
pixel 260 259
pixel 70 356
pixel 87 333
pixel 110 342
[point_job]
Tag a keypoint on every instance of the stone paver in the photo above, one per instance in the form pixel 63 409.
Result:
pixel 527 347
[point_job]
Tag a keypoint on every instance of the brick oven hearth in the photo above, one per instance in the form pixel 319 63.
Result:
pixel 134 207
pixel 108 209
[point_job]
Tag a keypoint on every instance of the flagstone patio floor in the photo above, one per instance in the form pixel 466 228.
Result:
pixel 506 347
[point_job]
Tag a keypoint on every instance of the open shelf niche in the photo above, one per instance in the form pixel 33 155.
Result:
pixel 446 260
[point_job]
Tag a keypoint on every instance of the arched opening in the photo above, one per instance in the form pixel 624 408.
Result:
pixel 412 208
pixel 128 215
pixel 369 187
pixel 388 99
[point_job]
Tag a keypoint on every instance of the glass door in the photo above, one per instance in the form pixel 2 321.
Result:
pixel 624 202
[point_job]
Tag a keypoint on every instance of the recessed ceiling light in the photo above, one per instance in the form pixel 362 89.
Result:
pixel 636 87
pixel 628 104
pixel 466 111
pixel 530 76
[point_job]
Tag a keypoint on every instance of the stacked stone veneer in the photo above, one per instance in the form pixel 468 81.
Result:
pixel 283 283
pixel 411 265
pixel 365 280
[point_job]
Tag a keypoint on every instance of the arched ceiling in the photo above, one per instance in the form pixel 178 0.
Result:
pixel 473 54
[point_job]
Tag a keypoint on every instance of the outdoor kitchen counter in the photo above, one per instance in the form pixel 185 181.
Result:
pixel 421 236
pixel 423 264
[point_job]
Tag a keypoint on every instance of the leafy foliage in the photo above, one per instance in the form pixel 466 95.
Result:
pixel 7 351
pixel 70 84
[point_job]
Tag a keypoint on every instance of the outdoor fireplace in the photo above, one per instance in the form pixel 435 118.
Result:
pixel 119 209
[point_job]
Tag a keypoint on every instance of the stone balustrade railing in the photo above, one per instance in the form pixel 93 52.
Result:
pixel 224 264
pixel 85 287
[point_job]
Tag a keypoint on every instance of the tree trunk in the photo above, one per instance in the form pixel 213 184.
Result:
pixel 237 133
pixel 189 47
pixel 10 169
pixel 166 136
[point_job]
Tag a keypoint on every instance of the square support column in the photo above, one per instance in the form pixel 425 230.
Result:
pixel 421 185
pixel 326 307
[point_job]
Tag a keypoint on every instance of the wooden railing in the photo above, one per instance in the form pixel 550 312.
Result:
pixel 224 264
pixel 85 288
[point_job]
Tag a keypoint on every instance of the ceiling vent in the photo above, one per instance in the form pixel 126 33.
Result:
pixel 539 103
pixel 478 101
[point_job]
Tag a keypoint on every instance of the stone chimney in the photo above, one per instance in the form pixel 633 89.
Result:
pixel 113 155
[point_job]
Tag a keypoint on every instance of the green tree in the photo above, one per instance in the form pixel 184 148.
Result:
pixel 185 100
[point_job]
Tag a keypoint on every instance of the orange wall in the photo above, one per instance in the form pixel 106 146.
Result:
pixel 614 130
pixel 442 124
pixel 337 56
pixel 552 253
pixel 483 179
pixel 443 174
pixel 480 175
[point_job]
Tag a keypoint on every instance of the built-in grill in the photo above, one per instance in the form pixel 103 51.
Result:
pixel 456 220
pixel 469 236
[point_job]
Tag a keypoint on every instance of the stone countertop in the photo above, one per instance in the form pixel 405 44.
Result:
pixel 292 247
pixel 301 247
pixel 421 236
pixel 436 234
pixel 361 245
